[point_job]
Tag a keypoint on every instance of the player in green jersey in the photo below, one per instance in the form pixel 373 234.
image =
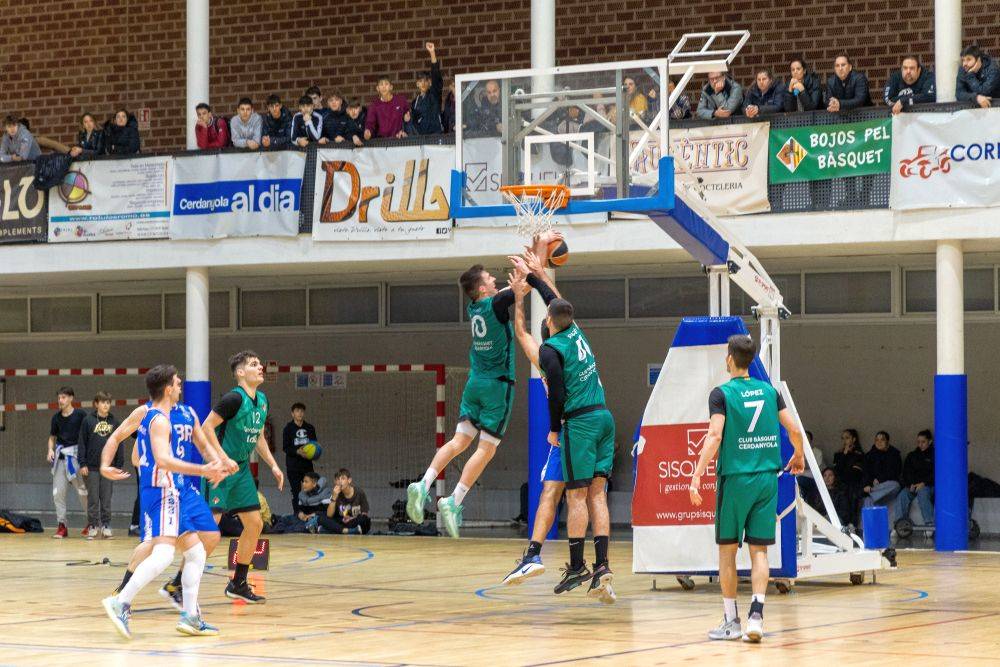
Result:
pixel 486 400
pixel 237 422
pixel 745 414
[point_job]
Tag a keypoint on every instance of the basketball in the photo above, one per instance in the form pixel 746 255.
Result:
pixel 312 450
pixel 558 253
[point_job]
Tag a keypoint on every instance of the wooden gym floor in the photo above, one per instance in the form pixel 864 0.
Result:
pixel 435 601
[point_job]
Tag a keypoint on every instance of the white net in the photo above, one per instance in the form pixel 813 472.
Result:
pixel 535 207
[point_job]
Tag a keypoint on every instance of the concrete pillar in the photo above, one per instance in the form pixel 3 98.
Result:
pixel 947 46
pixel 197 63
pixel 951 421
pixel 197 387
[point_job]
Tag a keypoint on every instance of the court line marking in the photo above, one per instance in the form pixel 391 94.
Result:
pixel 319 554
pixel 813 640
pixel 359 611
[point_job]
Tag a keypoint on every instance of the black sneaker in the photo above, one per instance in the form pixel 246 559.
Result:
pixel 600 585
pixel 173 594
pixel 244 593
pixel 571 578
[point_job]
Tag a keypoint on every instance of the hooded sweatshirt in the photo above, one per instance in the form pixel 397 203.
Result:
pixel 22 144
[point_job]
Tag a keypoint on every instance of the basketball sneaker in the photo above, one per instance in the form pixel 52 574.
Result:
pixel 86 529
pixel 90 532
pixel 451 515
pixel 243 592
pixel 571 578
pixel 106 533
pixel 755 629
pixel 119 613
pixel 61 532
pixel 173 594
pixel 727 630
pixel 416 498
pixel 600 585
pixel 195 626
pixel 526 569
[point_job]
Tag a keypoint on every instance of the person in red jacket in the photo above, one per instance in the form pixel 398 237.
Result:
pixel 387 112
pixel 211 131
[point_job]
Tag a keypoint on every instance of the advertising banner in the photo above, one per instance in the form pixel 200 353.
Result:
pixel 376 194
pixel 237 194
pixel 943 160
pixel 112 200
pixel 824 152
pixel 24 211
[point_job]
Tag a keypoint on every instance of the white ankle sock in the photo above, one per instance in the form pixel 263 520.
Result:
pixel 194 566
pixel 757 597
pixel 429 478
pixel 459 493
pixel 149 569
pixel 729 606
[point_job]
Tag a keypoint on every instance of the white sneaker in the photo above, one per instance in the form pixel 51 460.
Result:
pixel 755 629
pixel 92 532
pixel 106 533
pixel 727 630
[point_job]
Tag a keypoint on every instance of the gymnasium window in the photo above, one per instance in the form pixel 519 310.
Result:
pixel 175 310
pixel 13 316
pixel 921 291
pixel 132 312
pixel 273 308
pixel 789 284
pixel 596 299
pixel 62 314
pixel 343 305
pixel 668 297
pixel 423 304
pixel 848 292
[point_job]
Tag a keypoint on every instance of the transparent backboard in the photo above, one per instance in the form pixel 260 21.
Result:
pixel 598 129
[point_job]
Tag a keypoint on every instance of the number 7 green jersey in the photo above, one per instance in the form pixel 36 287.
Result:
pixel 751 439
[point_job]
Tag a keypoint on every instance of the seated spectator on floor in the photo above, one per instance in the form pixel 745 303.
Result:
pixel 18 143
pixel 910 84
pixel 918 480
pixel 276 131
pixel 679 110
pixel 849 464
pixel 307 125
pixel 720 98
pixel 637 102
pixel 246 127
pixel 978 77
pixel 90 138
pixel 488 116
pixel 883 467
pixel 386 113
pixel 314 496
pixel 211 131
pixel 426 109
pixel 348 510
pixel 847 88
pixel 840 497
pixel 766 96
pixel 121 134
pixel 804 91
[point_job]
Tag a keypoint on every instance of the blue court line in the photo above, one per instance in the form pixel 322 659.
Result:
pixel 319 554
pixel 920 595
pixel 368 555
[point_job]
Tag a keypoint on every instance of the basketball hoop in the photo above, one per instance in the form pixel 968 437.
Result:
pixel 535 205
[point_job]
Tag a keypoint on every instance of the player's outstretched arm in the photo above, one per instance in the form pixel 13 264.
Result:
pixel 712 442
pixel 265 453
pixel 796 464
pixel 159 436
pixel 124 430
pixel 524 338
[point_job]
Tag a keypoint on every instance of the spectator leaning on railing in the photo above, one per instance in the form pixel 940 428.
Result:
pixel 720 98
pixel 978 77
pixel 679 110
pixel 307 124
pixel 211 131
pixel 847 88
pixel 18 143
pixel 246 126
pixel 765 96
pixel 276 131
pixel 355 127
pixel 426 110
pixel 637 102
pixel 804 91
pixel 90 138
pixel 121 134
pixel 337 122
pixel 316 95
pixel 910 84
pixel 386 112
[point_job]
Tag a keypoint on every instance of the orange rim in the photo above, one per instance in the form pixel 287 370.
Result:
pixel 556 196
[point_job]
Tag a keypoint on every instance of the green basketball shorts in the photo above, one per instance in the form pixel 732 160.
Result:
pixel 235 493
pixel 486 404
pixel 746 508
pixel 588 444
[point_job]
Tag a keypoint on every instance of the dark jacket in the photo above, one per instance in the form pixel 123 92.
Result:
pixel 486 116
pixel 770 101
pixel 356 128
pixel 849 468
pixel 984 82
pixel 921 92
pixel 279 129
pixel 919 467
pixel 882 466
pixel 730 99
pixel 121 140
pixel 335 125
pixel 448 113
pixel 92 144
pixel 94 432
pixel 426 108
pixel 293 437
pixel 302 130
pixel 852 91
pixel 809 99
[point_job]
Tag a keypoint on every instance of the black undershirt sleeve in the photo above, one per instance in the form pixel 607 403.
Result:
pixel 543 289
pixel 781 402
pixel 228 405
pixel 552 366
pixel 717 403
pixel 502 302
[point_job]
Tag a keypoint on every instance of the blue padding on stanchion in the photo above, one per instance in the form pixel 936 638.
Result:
pixel 538 450
pixel 198 395
pixel 951 463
